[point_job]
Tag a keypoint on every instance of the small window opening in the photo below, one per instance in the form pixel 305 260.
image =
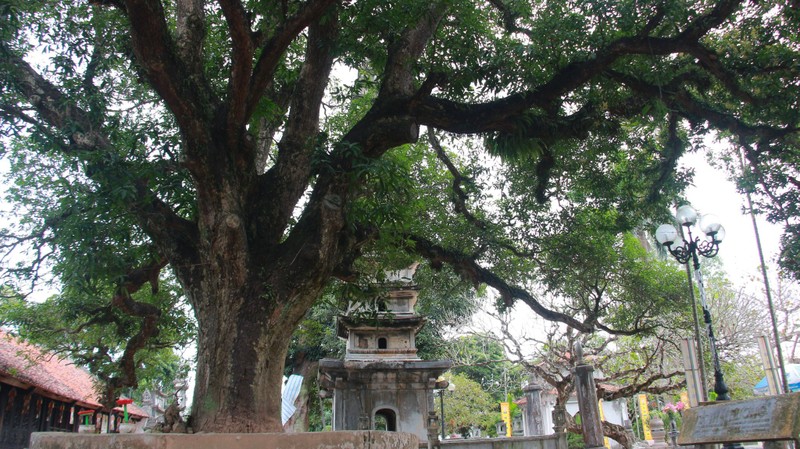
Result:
pixel 385 419
pixel 382 343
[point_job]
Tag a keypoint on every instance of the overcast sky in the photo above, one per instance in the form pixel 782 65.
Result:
pixel 714 194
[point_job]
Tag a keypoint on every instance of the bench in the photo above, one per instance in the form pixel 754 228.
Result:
pixel 771 418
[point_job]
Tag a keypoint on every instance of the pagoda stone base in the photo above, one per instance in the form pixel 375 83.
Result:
pixel 399 391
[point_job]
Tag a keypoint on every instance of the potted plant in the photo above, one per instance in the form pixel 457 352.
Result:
pixel 125 426
pixel 673 414
pixel 86 425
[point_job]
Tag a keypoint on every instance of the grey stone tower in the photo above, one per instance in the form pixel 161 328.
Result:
pixel 382 384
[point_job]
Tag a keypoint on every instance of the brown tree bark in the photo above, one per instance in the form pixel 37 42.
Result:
pixel 299 421
pixel 611 430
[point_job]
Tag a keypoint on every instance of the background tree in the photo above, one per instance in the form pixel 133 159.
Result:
pixel 739 318
pixel 469 405
pixel 482 359
pixel 626 365
pixel 209 139
pixel 787 306
pixel 103 336
pixel 607 278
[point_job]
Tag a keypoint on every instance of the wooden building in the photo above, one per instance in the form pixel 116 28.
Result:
pixel 40 392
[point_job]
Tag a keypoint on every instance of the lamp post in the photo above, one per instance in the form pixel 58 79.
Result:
pixel 447 387
pixel 687 250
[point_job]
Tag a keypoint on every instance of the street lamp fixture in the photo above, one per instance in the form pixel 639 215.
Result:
pixel 685 250
pixel 443 386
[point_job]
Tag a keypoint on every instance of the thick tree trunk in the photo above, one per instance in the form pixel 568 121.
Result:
pixel 247 305
pixel 299 421
pixel 248 299
pixel 619 434
pixel 611 430
pixel 240 360
pixel 239 370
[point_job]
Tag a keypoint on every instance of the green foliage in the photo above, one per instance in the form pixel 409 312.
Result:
pixel 575 441
pixel 602 273
pixel 482 359
pixel 94 335
pixel 132 139
pixel 446 302
pixel 468 405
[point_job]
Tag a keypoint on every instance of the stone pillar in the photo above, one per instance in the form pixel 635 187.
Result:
pixel 559 418
pixel 433 430
pixel 533 410
pixel 587 403
pixel 659 433
pixel 694 386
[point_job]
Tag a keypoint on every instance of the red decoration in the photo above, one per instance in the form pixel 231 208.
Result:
pixel 87 416
pixel 124 401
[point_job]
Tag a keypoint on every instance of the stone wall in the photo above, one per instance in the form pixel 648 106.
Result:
pixel 317 440
pixel 555 441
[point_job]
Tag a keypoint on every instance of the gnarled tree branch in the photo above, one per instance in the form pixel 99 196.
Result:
pixel 277 44
pixel 148 313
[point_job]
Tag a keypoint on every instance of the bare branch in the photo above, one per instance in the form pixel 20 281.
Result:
pixel 293 164
pixel 459 196
pixel 682 102
pixel 148 313
pixel 473 272
pixel 190 33
pixel 709 60
pixel 398 78
pixel 503 114
pixel 510 19
pixel 648 385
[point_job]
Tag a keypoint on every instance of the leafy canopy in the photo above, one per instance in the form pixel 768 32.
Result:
pixel 220 145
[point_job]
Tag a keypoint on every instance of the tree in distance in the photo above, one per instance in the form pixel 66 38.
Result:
pixel 468 406
pixel 615 282
pixel 212 143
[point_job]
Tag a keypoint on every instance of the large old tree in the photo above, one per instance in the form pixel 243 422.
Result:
pixel 255 150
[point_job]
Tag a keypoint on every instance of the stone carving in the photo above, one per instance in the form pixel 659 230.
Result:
pixel 587 402
pixel 578 353
pixel 761 419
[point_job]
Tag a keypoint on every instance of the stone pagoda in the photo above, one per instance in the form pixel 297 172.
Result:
pixel 382 384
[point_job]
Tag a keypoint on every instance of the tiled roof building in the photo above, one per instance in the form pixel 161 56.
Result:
pixel 42 392
pixel 27 365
